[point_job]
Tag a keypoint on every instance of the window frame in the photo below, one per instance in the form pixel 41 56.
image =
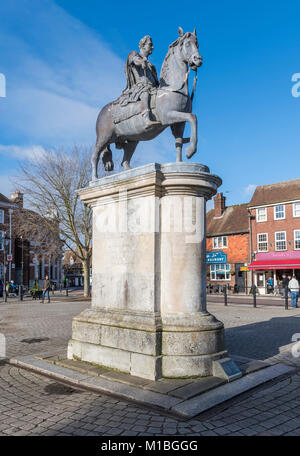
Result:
pixel 296 248
pixel 294 210
pixel 279 218
pixel 265 242
pixel 213 271
pixel 220 246
pixel 281 240
pixel 257 215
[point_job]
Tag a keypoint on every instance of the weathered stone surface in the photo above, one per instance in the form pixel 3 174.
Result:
pixel 192 343
pixel 132 340
pixel 87 332
pixel 146 366
pixel 189 366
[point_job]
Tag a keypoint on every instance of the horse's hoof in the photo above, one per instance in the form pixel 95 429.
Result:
pixel 190 151
pixel 109 166
pixel 126 166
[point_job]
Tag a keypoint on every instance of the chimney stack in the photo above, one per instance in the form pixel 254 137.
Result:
pixel 219 202
pixel 17 198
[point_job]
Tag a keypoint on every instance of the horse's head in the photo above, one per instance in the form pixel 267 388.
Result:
pixel 189 48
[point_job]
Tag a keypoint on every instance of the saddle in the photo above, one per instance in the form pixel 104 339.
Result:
pixel 121 113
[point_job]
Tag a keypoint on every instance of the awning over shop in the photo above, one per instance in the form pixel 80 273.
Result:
pixel 275 264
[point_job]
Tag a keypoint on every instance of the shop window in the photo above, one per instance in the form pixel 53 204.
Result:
pixel 296 209
pixel 279 212
pixel 261 214
pixel 220 271
pixel 297 239
pixel 1 240
pixel 1 271
pixel 1 216
pixel 220 242
pixel 280 240
pixel 262 242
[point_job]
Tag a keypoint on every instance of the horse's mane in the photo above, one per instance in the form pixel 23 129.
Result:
pixel 165 65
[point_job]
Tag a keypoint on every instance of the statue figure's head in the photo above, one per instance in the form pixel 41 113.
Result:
pixel 146 45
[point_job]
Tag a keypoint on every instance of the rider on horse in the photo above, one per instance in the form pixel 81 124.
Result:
pixel 142 80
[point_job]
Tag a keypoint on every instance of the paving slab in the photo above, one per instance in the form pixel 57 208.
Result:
pixel 198 387
pixel 183 397
pixel 206 401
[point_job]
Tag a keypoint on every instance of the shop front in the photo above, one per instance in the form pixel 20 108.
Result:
pixel 273 265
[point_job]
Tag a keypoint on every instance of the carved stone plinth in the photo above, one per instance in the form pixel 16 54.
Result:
pixel 148 315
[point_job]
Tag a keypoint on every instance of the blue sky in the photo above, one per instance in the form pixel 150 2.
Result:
pixel 63 60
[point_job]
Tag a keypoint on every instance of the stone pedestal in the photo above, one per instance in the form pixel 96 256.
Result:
pixel 148 315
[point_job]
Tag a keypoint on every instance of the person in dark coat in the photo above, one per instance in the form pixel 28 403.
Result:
pixel 46 288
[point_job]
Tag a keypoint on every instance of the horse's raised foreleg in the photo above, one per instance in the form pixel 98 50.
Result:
pixel 129 149
pixel 177 130
pixel 175 117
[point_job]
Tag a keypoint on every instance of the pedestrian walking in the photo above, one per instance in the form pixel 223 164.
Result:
pixel 46 288
pixel 294 288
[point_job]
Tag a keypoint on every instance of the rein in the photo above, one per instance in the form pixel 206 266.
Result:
pixel 183 84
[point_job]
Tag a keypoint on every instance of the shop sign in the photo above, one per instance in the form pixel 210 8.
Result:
pixel 216 257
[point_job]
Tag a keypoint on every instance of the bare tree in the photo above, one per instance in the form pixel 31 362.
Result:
pixel 50 182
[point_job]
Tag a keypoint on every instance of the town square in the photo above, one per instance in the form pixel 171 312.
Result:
pixel 149 223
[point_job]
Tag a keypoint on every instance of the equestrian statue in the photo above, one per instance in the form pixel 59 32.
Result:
pixel 147 106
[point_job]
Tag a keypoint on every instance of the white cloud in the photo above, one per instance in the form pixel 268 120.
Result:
pixel 249 190
pixel 22 153
pixel 59 75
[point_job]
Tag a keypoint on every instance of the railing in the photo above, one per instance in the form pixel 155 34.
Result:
pixel 251 292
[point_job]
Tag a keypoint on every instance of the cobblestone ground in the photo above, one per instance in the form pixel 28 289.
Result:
pixel 35 405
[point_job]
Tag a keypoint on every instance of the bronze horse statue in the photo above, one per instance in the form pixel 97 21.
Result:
pixel 172 106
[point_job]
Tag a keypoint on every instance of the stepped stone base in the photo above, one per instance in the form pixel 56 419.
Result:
pixel 146 345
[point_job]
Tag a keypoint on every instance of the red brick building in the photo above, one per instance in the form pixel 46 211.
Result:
pixel 18 259
pixel 228 233
pixel 275 232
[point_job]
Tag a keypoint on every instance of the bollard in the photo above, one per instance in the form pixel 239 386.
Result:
pixel 225 295
pixel 4 296
pixel 286 298
pixel 20 293
pixel 254 295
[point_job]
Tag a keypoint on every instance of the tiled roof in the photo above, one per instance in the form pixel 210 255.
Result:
pixel 234 220
pixel 3 199
pixel 276 193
